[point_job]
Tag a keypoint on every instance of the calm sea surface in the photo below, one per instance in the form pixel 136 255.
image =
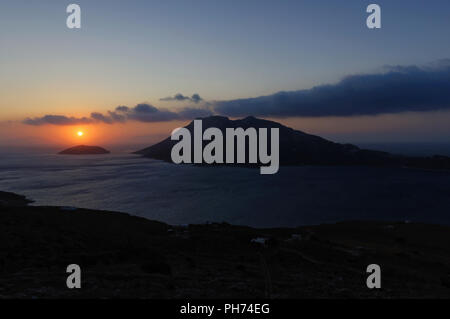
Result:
pixel 187 194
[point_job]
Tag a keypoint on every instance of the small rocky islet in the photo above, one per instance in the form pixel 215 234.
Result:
pixel 84 150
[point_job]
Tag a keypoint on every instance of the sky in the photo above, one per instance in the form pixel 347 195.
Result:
pixel 117 78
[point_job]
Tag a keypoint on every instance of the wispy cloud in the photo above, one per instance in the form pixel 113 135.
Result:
pixel 180 98
pixel 58 120
pixel 142 113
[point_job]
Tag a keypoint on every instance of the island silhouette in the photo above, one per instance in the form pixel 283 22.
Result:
pixel 300 148
pixel 84 150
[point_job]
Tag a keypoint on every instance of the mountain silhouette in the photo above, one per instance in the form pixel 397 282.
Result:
pixel 299 148
pixel 84 150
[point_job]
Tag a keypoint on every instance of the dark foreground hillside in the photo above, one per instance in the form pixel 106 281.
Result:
pixel 126 256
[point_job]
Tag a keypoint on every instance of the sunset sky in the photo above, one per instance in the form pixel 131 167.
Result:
pixel 117 78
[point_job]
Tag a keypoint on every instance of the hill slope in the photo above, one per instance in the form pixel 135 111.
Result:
pixel 299 148
pixel 125 256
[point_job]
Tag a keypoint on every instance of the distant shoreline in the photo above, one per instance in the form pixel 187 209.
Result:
pixel 401 148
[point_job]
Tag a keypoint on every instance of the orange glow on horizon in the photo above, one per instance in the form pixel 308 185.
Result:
pixel 133 134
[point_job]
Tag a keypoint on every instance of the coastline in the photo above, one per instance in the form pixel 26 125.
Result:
pixel 124 256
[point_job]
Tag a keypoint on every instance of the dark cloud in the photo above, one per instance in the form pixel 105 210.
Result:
pixel 58 120
pixel 142 113
pixel 101 118
pixel 193 113
pixel 122 108
pixel 144 109
pixel 196 98
pixel 398 89
pixel 180 97
pixel 117 117
pixel 149 113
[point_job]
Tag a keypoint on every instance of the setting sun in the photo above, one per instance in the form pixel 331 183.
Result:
pixel 80 133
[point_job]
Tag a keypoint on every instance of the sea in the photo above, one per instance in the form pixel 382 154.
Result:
pixel 187 194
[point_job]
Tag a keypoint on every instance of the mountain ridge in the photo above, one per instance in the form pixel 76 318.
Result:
pixel 300 148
